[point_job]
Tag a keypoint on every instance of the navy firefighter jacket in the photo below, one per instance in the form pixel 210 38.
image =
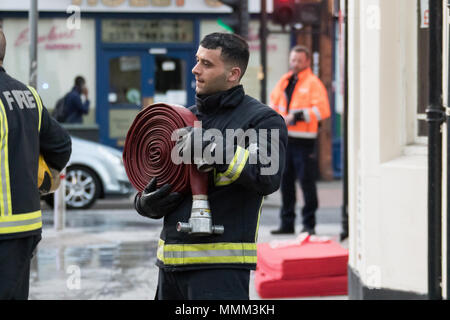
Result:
pixel 236 193
pixel 26 130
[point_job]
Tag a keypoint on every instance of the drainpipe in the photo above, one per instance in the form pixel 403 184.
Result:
pixel 344 233
pixel 435 118
pixel 263 51
pixel 447 37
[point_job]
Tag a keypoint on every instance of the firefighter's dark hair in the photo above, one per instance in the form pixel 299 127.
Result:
pixel 234 48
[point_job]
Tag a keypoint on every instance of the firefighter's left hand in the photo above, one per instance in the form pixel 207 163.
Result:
pixel 194 147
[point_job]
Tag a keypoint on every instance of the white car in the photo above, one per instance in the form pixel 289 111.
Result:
pixel 94 171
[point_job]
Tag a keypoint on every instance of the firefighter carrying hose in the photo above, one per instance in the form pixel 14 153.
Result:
pixel 217 266
pixel 26 130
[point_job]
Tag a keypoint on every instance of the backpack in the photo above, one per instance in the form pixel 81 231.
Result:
pixel 59 112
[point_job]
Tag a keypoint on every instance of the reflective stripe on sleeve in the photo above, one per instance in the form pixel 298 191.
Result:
pixel 317 113
pixel 21 222
pixel 210 253
pixel 5 188
pixel 234 169
pixel 39 104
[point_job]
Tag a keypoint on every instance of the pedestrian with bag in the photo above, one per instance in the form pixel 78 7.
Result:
pixel 74 107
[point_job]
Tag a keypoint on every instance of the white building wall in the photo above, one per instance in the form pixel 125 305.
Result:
pixel 387 176
pixel 63 54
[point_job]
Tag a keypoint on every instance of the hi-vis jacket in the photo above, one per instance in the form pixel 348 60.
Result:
pixel 309 95
pixel 26 129
pixel 235 195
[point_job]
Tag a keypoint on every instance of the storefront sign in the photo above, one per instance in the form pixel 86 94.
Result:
pixel 140 30
pixel 176 6
pixel 56 38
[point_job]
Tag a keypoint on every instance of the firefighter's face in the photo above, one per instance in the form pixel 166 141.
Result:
pixel 299 61
pixel 212 74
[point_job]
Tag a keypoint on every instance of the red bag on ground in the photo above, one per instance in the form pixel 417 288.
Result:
pixel 306 266
pixel 269 286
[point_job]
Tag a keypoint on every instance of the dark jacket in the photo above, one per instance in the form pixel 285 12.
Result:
pixel 235 195
pixel 26 130
pixel 74 107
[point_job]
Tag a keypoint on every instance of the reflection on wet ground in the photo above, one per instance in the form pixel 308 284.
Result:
pixel 98 256
pixel 111 254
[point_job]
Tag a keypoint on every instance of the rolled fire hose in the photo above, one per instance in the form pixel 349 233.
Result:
pixel 147 154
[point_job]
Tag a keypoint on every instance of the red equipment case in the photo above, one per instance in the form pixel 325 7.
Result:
pixel 306 267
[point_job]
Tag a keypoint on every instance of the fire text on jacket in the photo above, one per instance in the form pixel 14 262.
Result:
pixel 19 99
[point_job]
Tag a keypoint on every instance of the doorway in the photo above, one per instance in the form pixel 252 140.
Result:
pixel 136 79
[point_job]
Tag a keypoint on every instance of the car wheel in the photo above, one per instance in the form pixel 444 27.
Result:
pixel 82 187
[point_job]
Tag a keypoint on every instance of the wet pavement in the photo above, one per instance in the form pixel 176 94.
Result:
pixel 111 253
pixel 95 271
pixel 101 254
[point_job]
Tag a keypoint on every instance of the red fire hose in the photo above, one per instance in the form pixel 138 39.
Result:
pixel 148 147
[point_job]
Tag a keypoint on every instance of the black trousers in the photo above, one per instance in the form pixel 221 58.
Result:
pixel 203 284
pixel 15 258
pixel 301 166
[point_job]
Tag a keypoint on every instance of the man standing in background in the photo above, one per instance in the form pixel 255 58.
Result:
pixel 301 98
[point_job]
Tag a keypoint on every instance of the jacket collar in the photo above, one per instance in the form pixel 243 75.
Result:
pixel 210 104
pixel 2 69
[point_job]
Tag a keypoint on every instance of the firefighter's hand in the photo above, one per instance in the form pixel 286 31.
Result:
pixel 156 203
pixel 196 147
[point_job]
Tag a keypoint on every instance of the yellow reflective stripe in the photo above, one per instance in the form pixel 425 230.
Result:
pixel 209 246
pixel 211 260
pixel 5 188
pixel 160 250
pixel 257 223
pixel 21 222
pixel 2 204
pixel 234 169
pixel 38 102
pixel 180 254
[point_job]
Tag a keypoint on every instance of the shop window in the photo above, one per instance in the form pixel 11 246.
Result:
pixel 170 80
pixel 125 80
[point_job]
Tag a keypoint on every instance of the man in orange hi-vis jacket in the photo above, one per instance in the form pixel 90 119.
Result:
pixel 302 99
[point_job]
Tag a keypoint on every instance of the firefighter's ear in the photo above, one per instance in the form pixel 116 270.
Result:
pixel 234 74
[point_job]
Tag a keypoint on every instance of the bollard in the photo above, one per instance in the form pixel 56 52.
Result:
pixel 59 204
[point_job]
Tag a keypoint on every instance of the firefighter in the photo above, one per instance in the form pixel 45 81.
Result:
pixel 301 98
pixel 27 130
pixel 218 266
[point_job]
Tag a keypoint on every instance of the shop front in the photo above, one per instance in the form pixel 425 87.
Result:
pixel 131 53
pixel 140 62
